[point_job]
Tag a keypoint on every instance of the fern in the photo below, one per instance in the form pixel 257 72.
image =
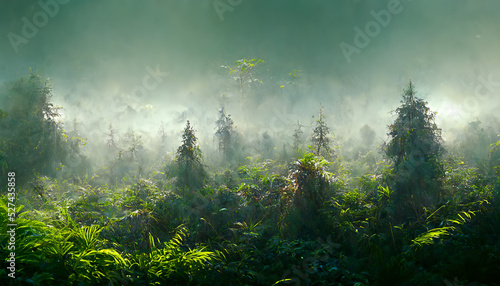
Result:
pixel 427 238
pixel 88 236
pixel 171 262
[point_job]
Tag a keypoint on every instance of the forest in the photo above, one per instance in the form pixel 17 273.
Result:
pixel 237 142
pixel 315 210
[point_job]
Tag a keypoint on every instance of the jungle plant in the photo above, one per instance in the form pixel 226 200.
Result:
pixel 494 159
pixel 29 235
pixel 294 75
pixel 310 185
pixel 243 72
pixel 171 263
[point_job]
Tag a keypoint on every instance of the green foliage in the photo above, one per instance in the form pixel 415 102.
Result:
pixel 298 140
pixel 321 139
pixel 313 221
pixel 171 263
pixel 414 135
pixel 243 72
pixel 474 141
pixel 494 159
pixel 415 148
pixel 427 238
pixel 294 75
pixel 32 140
pixel 225 133
pixel 190 172
pixel 310 189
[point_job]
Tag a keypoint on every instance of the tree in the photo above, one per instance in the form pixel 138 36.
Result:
pixel 494 160
pixel 32 140
pixel 474 143
pixel 190 171
pixel 297 136
pixel 268 146
pixel 415 148
pixel 321 137
pixel 243 72
pixel 225 133
pixel 163 137
pixel 111 142
pixel 367 136
pixel 310 185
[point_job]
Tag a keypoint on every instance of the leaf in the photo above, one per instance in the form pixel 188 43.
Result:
pixel 283 281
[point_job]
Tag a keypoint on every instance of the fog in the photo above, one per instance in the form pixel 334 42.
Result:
pixel 136 64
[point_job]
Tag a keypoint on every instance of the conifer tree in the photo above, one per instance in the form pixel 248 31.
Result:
pixel 321 137
pixel 111 142
pixel 225 133
pixel 415 148
pixel 163 136
pixel 190 172
pixel 297 137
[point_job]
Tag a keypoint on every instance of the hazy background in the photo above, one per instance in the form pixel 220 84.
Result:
pixel 96 53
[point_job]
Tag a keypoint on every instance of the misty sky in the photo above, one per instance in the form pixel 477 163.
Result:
pixel 99 56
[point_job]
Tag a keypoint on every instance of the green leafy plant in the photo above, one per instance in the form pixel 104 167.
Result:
pixel 170 262
pixel 243 72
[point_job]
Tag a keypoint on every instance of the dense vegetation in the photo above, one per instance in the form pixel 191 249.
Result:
pixel 412 212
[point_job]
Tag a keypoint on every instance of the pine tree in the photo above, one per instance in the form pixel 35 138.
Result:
pixel 190 171
pixel 367 136
pixel 163 136
pixel 268 146
pixel 111 137
pixel 225 132
pixel 321 137
pixel 297 137
pixel 415 148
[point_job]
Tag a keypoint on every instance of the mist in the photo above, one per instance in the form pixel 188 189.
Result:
pixel 238 142
pixel 100 55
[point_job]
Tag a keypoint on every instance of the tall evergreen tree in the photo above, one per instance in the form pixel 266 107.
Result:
pixel 297 137
pixel 415 148
pixel 31 137
pixel 367 135
pixel 225 133
pixel 321 137
pixel 190 171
